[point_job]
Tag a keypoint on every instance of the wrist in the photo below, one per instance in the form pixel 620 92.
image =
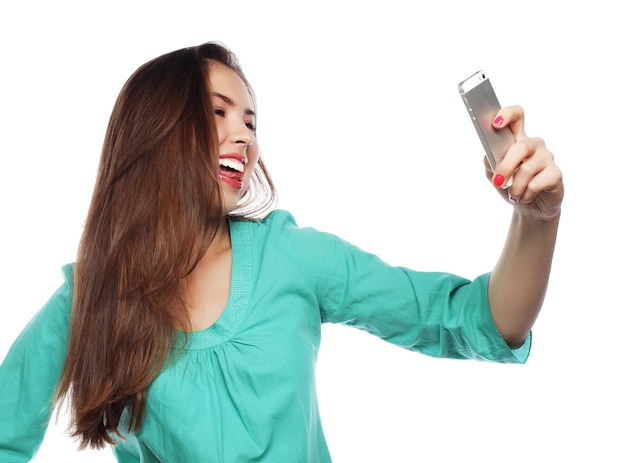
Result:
pixel 539 223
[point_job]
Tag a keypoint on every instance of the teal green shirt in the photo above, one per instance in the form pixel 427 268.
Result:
pixel 243 390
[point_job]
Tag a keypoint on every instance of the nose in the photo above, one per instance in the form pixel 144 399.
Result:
pixel 241 134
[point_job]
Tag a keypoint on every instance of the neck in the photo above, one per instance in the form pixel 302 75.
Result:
pixel 221 240
pixel 205 291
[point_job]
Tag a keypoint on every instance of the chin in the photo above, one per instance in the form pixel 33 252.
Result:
pixel 229 204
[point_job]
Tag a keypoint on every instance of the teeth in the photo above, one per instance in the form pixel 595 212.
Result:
pixel 232 163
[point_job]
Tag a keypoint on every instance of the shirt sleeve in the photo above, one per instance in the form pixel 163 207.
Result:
pixel 438 314
pixel 29 375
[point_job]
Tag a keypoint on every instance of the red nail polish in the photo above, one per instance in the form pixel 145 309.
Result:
pixel 498 180
pixel 498 120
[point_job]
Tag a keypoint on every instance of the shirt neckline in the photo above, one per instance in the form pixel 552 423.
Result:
pixel 235 311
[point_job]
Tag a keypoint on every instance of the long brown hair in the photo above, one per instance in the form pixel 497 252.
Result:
pixel 155 208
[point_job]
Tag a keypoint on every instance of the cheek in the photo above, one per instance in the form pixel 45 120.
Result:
pixel 221 130
pixel 253 157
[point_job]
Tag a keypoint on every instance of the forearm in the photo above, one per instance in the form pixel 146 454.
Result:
pixel 518 283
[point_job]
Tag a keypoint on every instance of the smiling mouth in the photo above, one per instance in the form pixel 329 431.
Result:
pixel 231 171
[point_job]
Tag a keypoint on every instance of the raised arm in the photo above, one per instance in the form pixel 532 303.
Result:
pixel 519 280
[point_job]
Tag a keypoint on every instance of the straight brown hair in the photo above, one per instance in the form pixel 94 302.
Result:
pixel 155 208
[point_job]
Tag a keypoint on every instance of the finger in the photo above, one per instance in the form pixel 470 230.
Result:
pixel 547 180
pixel 535 174
pixel 488 169
pixel 519 153
pixel 527 158
pixel 512 117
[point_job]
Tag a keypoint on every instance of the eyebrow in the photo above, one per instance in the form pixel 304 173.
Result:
pixel 229 101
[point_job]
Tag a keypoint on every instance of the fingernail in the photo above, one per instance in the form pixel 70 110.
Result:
pixel 498 180
pixel 498 120
pixel 513 200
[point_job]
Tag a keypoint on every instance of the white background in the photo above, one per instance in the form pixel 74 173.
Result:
pixel 365 135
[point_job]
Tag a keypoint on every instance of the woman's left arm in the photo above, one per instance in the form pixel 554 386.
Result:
pixel 519 280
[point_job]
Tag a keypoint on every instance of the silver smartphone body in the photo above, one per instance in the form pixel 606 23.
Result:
pixel 482 105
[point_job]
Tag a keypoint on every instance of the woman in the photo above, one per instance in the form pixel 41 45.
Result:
pixel 188 328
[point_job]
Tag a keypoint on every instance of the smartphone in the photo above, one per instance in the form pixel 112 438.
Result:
pixel 482 105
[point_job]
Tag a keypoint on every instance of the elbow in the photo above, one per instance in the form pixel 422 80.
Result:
pixel 514 337
pixel 516 342
pixel 514 326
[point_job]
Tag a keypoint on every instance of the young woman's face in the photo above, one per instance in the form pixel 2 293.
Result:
pixel 236 130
